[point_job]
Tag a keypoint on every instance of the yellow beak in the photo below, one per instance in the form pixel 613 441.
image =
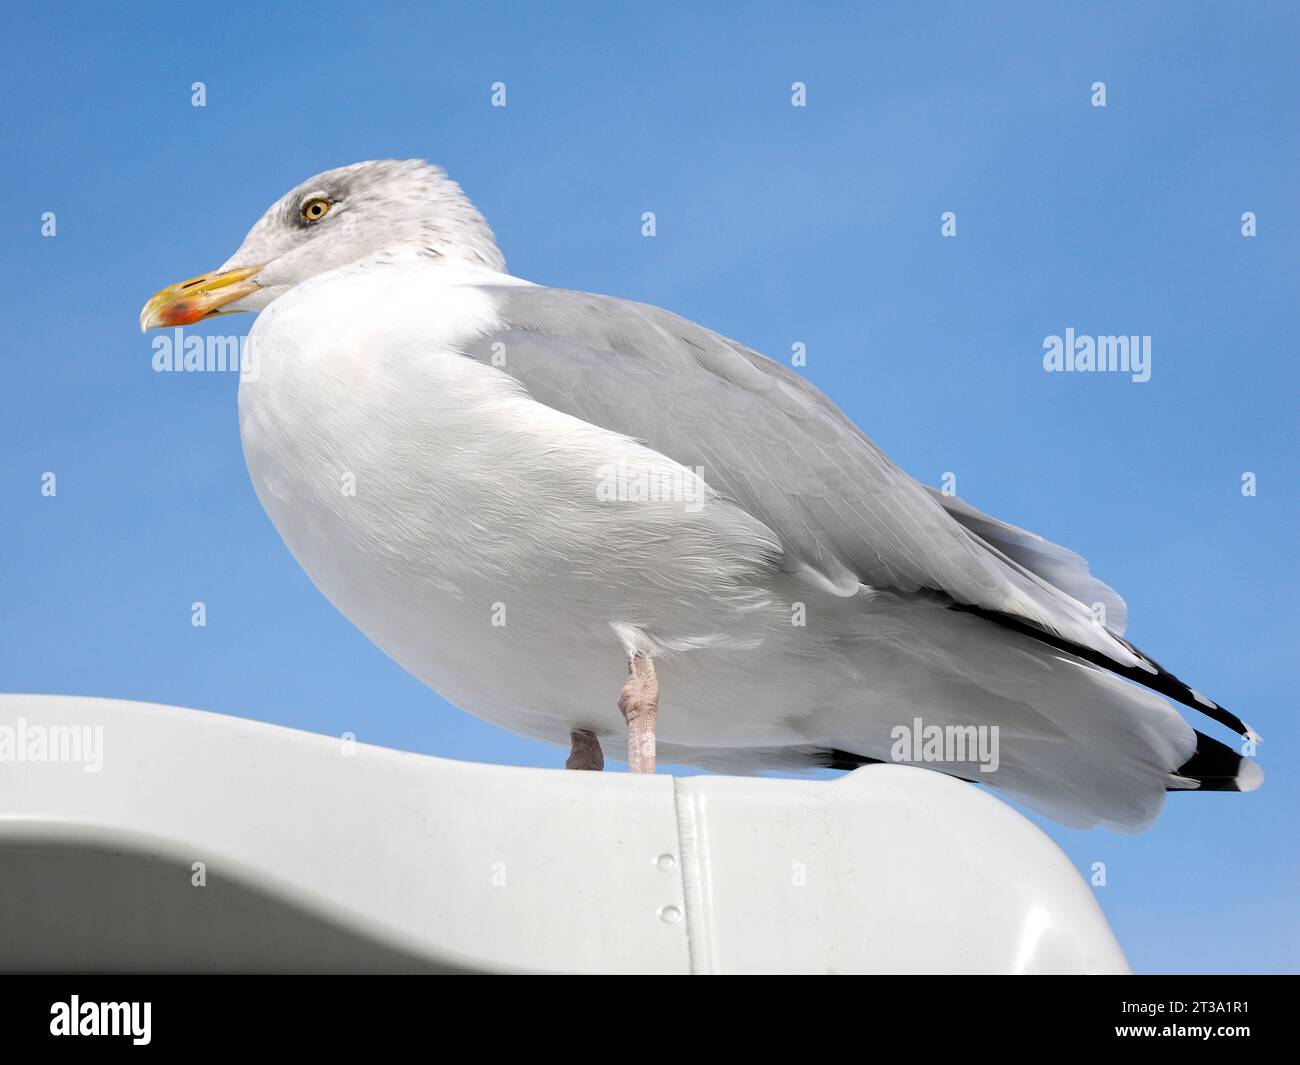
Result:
pixel 185 302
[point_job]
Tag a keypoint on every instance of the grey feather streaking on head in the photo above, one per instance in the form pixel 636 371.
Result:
pixel 510 541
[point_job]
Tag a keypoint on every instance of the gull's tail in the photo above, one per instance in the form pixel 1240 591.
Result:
pixel 1214 767
pixel 1082 739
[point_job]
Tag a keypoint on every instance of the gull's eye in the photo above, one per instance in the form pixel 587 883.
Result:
pixel 315 209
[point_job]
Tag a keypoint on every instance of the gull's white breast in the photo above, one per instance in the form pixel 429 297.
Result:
pixel 462 526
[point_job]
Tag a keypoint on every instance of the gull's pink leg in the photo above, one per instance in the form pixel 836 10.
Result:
pixel 584 751
pixel 640 705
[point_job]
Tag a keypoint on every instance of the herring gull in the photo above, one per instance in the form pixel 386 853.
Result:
pixel 534 498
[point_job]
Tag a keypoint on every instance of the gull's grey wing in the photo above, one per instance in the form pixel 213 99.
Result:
pixel 768 440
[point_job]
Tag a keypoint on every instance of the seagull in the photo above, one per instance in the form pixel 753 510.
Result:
pixel 560 509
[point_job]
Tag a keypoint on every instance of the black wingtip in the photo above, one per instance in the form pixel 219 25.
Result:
pixel 1217 767
pixel 1161 681
pixel 1167 684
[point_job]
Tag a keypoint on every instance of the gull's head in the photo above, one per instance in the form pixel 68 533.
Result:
pixel 338 217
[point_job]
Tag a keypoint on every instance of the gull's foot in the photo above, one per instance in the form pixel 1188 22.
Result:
pixel 640 706
pixel 584 751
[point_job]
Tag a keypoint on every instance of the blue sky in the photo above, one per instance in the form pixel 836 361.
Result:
pixel 776 225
